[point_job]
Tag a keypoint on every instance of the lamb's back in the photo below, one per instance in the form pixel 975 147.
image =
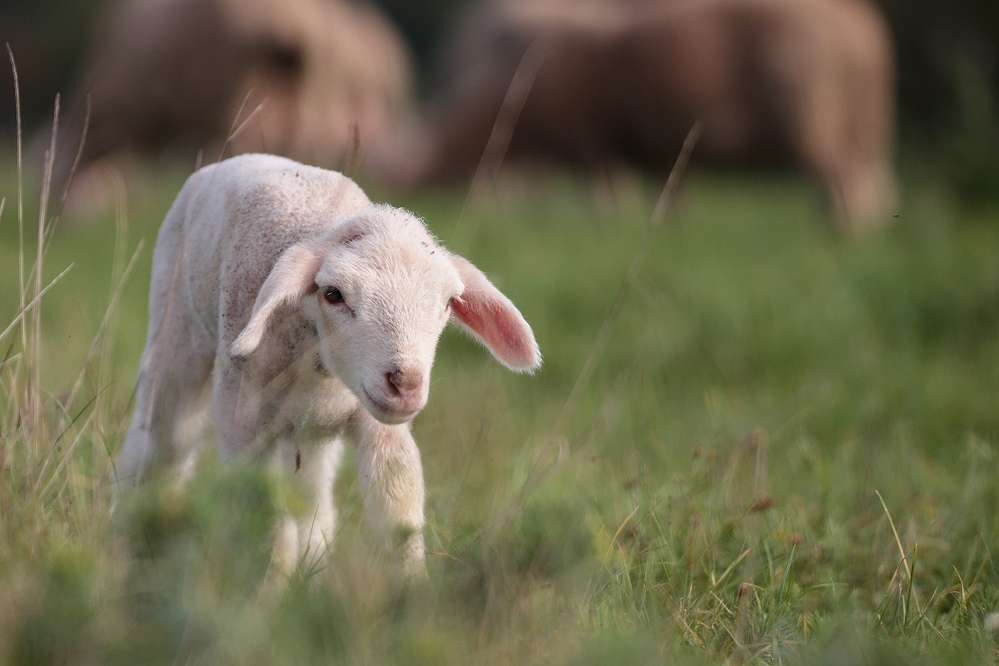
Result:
pixel 233 219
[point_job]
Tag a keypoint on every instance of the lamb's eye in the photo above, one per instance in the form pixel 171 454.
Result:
pixel 333 295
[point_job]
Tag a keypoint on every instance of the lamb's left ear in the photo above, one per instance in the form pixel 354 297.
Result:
pixel 293 276
pixel 493 320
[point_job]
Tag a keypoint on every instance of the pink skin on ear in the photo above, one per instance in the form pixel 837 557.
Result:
pixel 491 318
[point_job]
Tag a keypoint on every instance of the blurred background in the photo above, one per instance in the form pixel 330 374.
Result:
pixel 936 41
pixel 947 53
pixel 947 71
pixel 757 437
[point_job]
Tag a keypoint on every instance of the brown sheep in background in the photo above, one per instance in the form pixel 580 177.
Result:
pixel 806 82
pixel 174 75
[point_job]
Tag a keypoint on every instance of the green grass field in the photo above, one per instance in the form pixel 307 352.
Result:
pixel 783 448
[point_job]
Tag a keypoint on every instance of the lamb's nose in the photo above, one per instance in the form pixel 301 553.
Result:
pixel 406 385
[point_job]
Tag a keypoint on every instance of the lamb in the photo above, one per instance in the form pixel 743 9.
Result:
pixel 316 315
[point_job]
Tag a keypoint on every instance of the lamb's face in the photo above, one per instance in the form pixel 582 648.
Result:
pixel 380 292
pixel 383 300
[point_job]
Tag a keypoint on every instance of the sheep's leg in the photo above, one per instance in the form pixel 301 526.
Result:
pixel 175 368
pixel 308 539
pixel 168 418
pixel 391 477
pixel 136 453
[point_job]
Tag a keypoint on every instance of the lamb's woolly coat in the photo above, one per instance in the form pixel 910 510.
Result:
pixel 316 315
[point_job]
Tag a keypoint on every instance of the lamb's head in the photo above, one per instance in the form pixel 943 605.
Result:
pixel 380 291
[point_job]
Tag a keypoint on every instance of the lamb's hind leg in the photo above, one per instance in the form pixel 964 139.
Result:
pixel 175 367
pixel 168 415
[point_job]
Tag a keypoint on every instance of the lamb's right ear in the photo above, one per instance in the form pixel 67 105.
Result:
pixel 293 276
pixel 489 316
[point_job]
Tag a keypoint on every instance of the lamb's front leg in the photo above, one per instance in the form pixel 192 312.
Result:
pixel 391 477
pixel 306 540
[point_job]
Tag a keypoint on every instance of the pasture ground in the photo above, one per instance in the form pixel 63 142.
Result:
pixel 783 448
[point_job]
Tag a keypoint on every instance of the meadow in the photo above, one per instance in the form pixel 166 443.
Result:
pixel 764 443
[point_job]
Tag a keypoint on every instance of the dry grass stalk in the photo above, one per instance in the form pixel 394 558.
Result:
pixel 500 136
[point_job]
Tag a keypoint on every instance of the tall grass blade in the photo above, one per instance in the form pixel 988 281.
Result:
pixel 500 137
pixel 22 296
pixel 34 301
pixel 105 323
pixel 76 159
pixel 898 541
pixel 908 592
pixel 236 129
pixel 730 568
pixel 787 570
pixel 613 540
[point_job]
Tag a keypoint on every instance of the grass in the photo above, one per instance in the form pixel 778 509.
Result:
pixel 786 451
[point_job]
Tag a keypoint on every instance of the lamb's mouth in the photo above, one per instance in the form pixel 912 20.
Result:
pixel 391 415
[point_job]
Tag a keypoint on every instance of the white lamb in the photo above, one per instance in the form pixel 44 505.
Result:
pixel 316 314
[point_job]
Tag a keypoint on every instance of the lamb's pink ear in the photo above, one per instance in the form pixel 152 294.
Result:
pixel 293 276
pixel 493 320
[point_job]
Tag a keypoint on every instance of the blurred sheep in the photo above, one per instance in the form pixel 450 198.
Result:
pixel 181 75
pixel 805 82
